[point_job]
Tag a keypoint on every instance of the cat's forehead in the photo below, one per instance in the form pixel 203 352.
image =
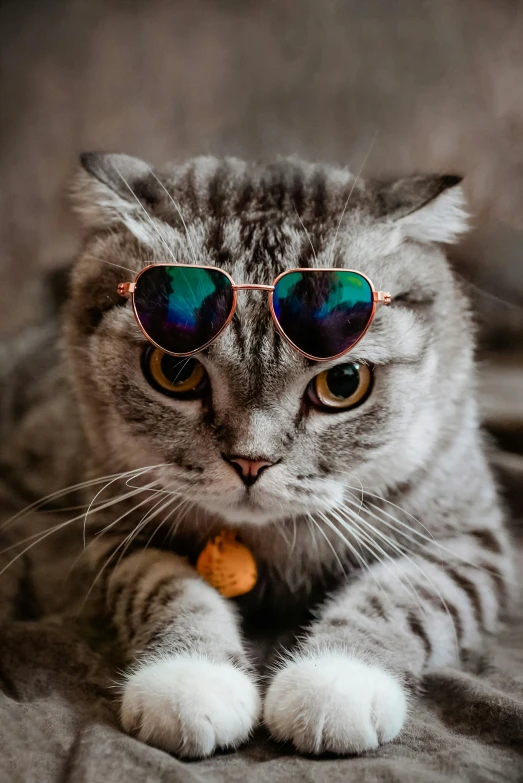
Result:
pixel 256 191
pixel 256 221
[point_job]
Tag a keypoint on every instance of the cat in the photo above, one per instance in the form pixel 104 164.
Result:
pixel 376 525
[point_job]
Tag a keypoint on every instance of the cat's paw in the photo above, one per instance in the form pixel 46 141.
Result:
pixel 190 706
pixel 334 703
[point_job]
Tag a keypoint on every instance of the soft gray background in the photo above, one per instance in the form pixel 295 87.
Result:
pixel 440 83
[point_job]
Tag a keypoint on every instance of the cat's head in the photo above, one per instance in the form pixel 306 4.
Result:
pixel 322 431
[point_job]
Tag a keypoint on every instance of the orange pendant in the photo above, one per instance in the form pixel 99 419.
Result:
pixel 227 565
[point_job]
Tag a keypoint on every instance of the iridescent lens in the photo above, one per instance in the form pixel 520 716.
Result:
pixel 323 312
pixel 182 308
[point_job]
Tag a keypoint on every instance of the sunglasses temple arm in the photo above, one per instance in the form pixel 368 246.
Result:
pixel 126 288
pixel 382 297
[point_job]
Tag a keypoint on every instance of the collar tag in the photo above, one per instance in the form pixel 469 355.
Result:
pixel 228 565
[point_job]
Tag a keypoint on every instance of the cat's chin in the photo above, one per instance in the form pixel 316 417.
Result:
pixel 248 512
pixel 255 516
pixel 264 508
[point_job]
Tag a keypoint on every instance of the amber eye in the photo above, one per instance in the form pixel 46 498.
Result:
pixel 341 387
pixel 177 376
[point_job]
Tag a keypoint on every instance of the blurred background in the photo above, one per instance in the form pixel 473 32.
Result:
pixel 439 82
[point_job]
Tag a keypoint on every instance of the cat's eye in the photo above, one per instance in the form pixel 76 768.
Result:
pixel 174 375
pixel 341 387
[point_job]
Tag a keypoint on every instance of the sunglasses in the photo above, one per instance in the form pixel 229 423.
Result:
pixel 321 313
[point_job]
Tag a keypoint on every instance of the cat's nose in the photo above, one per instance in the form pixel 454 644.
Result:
pixel 249 470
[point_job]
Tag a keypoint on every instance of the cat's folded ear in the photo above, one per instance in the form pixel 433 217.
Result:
pixel 425 208
pixel 110 188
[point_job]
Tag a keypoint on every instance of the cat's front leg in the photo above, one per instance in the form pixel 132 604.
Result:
pixel 347 688
pixel 189 688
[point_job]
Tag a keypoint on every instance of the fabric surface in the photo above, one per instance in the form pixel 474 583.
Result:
pixel 59 668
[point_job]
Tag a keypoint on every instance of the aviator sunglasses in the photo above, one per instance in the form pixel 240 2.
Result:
pixel 321 313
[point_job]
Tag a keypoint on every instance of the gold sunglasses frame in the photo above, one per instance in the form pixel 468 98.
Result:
pixel 378 298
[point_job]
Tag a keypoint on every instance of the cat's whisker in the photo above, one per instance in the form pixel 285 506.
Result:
pixel 153 534
pixel 361 524
pixel 329 542
pixel 103 531
pixel 380 555
pixel 111 263
pixel 158 508
pixel 424 542
pixel 177 208
pixel 60 525
pixel 138 528
pixel 354 552
pixel 165 518
pixel 280 527
pixel 99 574
pixel 361 490
pixel 377 552
pixel 294 534
pixel 365 491
pixel 158 491
pixel 35 506
pixel 416 542
pixel 96 537
pixel 359 559
pixel 140 471
pixel 356 180
pixel 39 538
pixel 403 511
pixel 149 218
pixel 145 470
pixel 186 504
pixel 126 541
pixel 186 362
pixel 189 506
pixel 306 233
pixel 429 538
pixel 32 537
pixel 65 509
pixel 364 564
pixel 173 527
pixel 313 526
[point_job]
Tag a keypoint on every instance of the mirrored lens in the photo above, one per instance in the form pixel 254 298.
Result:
pixel 324 313
pixel 182 308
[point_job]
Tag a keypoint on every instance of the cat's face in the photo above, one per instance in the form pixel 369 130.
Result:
pixel 256 398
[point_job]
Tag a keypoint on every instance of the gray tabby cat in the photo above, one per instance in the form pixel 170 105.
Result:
pixel 380 516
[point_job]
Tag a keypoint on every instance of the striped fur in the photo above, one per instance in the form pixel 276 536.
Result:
pixel 384 519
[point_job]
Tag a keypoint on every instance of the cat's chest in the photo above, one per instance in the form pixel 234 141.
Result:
pixel 285 585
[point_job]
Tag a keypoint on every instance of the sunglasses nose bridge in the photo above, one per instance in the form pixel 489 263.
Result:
pixel 252 287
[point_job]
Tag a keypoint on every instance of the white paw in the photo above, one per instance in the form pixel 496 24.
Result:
pixel 334 703
pixel 190 706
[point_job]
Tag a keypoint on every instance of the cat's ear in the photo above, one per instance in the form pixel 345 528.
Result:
pixel 426 208
pixel 110 189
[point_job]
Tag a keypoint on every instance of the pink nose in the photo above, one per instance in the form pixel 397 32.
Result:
pixel 248 469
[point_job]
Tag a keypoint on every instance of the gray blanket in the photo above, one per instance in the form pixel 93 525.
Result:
pixel 59 669
pixel 58 723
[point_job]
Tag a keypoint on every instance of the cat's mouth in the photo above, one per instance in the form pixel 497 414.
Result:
pixel 260 505
pixel 246 507
pixel 247 501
